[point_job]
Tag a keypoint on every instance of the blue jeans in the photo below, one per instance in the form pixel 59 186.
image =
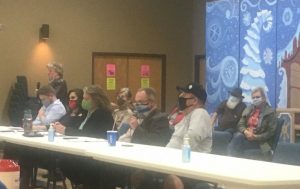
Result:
pixel 239 144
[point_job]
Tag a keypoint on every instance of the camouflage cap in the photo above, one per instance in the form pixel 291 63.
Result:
pixel 56 67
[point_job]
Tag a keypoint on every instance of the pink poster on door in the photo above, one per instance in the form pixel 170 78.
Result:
pixel 145 70
pixel 110 70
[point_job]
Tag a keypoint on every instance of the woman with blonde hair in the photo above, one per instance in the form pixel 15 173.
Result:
pixel 98 120
pixel 99 115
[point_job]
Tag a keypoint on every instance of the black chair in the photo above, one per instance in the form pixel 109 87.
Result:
pixel 287 153
pixel 257 154
pixel 220 140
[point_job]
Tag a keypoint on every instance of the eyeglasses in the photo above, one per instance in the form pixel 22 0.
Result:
pixel 256 97
pixel 141 103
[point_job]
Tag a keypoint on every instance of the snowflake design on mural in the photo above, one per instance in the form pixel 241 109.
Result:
pixel 268 56
pixel 229 71
pixel 214 33
pixel 287 16
pixel 247 18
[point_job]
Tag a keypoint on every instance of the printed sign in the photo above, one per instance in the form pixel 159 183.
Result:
pixel 145 70
pixel 111 83
pixel 145 82
pixel 110 70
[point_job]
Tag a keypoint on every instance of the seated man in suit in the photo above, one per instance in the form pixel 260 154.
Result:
pixel 149 125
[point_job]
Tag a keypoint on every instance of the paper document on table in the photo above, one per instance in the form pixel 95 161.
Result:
pixel 82 139
pixel 10 129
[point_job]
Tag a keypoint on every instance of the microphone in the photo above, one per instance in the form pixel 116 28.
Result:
pixel 38 85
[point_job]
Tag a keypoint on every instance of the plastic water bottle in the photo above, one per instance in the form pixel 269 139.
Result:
pixel 186 149
pixel 51 133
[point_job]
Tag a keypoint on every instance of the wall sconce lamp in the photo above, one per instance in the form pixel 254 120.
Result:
pixel 44 32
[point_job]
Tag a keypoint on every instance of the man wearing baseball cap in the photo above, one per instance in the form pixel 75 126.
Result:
pixel 229 112
pixel 196 121
pixel 195 124
pixel 56 81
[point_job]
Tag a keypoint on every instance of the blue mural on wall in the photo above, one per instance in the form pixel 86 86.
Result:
pixel 265 32
pixel 258 47
pixel 222 50
pixel 288 31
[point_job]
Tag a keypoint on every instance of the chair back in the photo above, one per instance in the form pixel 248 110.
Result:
pixel 220 141
pixel 278 130
pixel 287 153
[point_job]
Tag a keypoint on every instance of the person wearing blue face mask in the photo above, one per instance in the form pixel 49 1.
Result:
pixel 229 112
pixel 52 109
pixel 148 125
pixel 256 128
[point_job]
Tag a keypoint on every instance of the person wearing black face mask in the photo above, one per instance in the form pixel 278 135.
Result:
pixel 196 121
pixel 123 109
pixel 195 124
pixel 256 128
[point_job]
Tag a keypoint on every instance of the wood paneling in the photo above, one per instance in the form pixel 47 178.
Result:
pixel 128 73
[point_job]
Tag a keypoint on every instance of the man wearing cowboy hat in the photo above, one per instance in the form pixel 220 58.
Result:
pixel 229 112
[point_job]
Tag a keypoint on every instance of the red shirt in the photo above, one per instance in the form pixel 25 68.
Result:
pixel 253 119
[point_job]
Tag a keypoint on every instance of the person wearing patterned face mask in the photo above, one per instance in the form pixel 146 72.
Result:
pixel 229 112
pixel 148 125
pixel 256 128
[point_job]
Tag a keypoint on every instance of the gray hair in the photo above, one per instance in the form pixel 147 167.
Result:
pixel 150 92
pixel 262 91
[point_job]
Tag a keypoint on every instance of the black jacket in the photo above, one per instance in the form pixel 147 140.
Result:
pixel 96 126
pixel 154 130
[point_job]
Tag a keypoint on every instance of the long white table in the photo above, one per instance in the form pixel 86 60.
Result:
pixel 226 171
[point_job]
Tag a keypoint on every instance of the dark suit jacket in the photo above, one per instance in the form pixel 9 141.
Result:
pixel 96 126
pixel 154 130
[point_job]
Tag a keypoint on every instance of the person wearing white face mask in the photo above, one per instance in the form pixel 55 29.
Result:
pixel 52 109
pixel 229 112
pixel 256 128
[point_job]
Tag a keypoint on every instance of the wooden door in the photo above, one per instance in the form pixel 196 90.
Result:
pixel 101 77
pixel 152 76
pixel 113 71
